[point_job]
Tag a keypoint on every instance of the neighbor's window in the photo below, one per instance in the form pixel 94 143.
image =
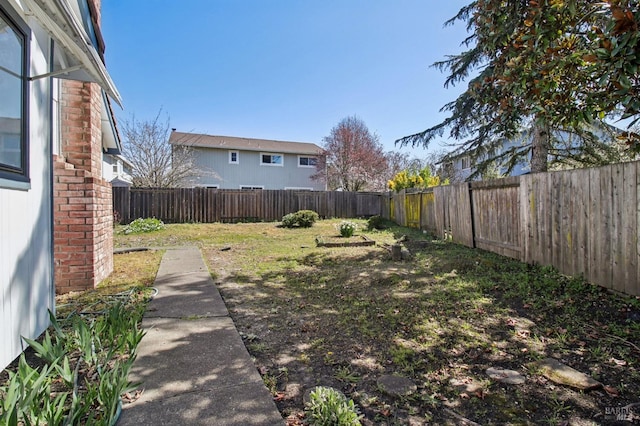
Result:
pixel 233 157
pixel 13 86
pixel 466 162
pixel 271 159
pixel 307 161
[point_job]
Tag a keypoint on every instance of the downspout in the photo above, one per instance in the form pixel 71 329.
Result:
pixel 52 295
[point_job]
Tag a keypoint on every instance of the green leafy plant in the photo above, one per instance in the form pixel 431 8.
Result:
pixel 102 343
pixel 376 222
pixel 300 219
pixel 347 228
pixel 328 407
pixel 141 225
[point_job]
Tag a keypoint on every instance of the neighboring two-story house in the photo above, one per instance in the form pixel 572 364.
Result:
pixel 462 166
pixel 226 162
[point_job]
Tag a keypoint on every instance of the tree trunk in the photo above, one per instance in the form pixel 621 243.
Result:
pixel 540 147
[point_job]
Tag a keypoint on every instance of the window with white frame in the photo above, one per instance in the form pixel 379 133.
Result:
pixel 267 159
pixel 466 162
pixel 13 95
pixel 251 187
pixel 307 161
pixel 234 157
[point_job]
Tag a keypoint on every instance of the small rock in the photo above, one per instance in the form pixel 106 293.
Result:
pixel 225 248
pixel 466 384
pixel 562 374
pixel 509 377
pixel 396 385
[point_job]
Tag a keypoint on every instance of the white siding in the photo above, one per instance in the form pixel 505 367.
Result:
pixel 26 275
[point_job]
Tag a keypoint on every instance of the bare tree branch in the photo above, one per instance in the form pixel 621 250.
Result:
pixel 155 163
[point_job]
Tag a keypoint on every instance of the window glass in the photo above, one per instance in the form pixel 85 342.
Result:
pixel 12 51
pixel 233 157
pixel 272 159
pixel 466 162
pixel 308 161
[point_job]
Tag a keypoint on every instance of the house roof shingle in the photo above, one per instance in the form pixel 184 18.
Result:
pixel 244 144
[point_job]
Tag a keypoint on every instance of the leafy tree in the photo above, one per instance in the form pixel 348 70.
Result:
pixel 155 164
pixel 354 159
pixel 543 68
pixel 415 179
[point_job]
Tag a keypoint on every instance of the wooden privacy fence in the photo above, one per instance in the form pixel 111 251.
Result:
pixel 582 222
pixel 208 205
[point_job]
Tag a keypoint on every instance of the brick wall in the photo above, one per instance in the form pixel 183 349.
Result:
pixel 83 218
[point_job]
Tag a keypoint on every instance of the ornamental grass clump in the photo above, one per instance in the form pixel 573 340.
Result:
pixel 347 229
pixel 83 370
pixel 329 407
pixel 141 225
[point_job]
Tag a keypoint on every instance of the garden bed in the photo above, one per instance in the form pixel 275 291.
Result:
pixel 338 241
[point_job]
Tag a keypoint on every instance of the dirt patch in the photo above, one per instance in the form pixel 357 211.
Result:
pixel 345 317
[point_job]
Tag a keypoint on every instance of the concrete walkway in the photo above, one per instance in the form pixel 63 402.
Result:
pixel 192 363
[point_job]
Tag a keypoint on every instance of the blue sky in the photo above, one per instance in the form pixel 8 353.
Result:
pixel 283 69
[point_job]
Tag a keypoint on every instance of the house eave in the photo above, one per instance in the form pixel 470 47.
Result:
pixel 84 61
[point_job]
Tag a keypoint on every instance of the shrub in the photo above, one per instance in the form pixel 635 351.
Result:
pixel 347 229
pixel 376 222
pixel 301 219
pixel 141 225
pixel 329 407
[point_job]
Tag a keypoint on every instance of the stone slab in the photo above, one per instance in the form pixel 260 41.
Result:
pixel 183 355
pixel 562 374
pixel 185 287
pixel 509 377
pixel 397 385
pixel 215 407
pixel 182 259
pixel 186 295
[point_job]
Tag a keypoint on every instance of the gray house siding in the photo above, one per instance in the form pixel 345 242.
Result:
pixel 26 257
pixel 215 170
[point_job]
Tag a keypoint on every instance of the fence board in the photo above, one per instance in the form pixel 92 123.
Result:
pixel 460 214
pixel 496 216
pixel 630 226
pixel 428 212
pixel 617 246
pixel 412 204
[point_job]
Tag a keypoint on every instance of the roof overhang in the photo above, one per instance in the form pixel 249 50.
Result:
pixel 77 57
